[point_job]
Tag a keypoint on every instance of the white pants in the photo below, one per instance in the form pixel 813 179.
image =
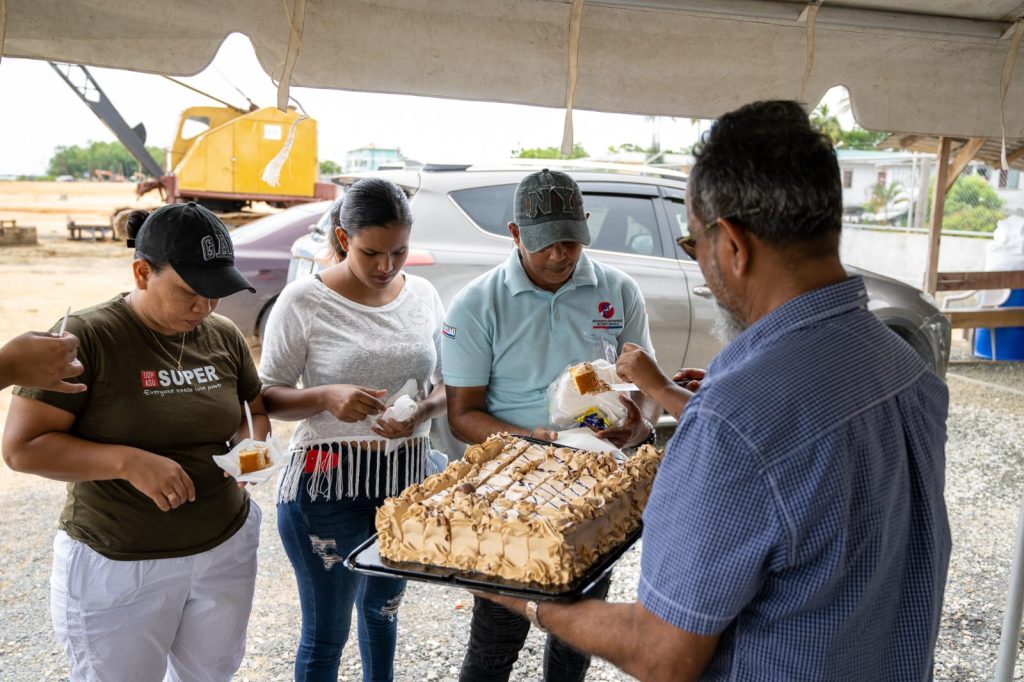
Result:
pixel 139 620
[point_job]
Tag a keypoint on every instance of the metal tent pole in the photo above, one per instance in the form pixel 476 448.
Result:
pixel 1007 659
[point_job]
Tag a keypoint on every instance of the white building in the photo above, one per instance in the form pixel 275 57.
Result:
pixel 370 158
pixel 863 169
pixel 1008 185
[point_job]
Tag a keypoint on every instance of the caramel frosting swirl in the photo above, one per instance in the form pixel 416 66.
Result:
pixel 518 510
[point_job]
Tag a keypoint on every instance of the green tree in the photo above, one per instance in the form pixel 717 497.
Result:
pixel 159 155
pixel 69 161
pixel 626 147
pixel 827 123
pixel 884 198
pixel 652 154
pixel 972 205
pixel 328 167
pixel 578 152
pixel 109 156
pixel 858 138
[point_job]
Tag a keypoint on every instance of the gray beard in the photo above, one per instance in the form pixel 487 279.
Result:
pixel 726 327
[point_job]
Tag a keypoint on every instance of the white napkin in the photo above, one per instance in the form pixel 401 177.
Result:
pixel 585 439
pixel 229 461
pixel 401 406
pixel 402 409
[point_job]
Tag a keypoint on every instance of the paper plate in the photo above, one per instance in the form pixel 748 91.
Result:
pixel 229 461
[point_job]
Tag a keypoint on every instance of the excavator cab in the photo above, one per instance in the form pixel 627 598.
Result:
pixel 195 122
pixel 223 164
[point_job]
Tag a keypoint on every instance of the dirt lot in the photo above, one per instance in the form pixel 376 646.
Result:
pixel 40 282
pixel 983 483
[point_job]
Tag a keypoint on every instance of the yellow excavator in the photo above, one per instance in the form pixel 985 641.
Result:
pixel 220 155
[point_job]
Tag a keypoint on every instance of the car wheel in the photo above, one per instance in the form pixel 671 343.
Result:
pixel 919 345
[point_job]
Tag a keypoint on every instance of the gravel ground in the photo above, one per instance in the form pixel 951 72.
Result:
pixel 984 483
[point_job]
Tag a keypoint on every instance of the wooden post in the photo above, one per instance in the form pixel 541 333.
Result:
pixel 931 273
pixel 924 170
pixel 963 157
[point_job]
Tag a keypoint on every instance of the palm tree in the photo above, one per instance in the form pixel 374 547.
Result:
pixel 885 197
pixel 827 123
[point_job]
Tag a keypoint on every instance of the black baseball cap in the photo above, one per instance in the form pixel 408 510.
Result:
pixel 194 242
pixel 549 208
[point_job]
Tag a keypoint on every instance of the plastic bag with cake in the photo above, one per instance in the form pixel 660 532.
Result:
pixel 252 461
pixel 582 395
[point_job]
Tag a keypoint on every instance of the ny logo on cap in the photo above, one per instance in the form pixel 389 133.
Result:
pixel 215 248
pixel 539 200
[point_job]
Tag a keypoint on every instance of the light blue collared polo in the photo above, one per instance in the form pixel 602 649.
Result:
pixel 504 332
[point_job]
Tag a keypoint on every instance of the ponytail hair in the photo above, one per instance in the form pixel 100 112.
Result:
pixel 133 223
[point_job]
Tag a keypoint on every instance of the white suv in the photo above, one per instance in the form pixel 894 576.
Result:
pixel 461 215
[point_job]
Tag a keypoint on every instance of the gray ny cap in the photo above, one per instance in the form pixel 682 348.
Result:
pixel 549 209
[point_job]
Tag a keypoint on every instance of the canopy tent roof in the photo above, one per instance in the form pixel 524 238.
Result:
pixel 988 152
pixel 934 67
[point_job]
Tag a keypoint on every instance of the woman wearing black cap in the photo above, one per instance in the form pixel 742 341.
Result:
pixel 155 561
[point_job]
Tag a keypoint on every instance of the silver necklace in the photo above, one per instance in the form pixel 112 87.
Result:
pixel 181 353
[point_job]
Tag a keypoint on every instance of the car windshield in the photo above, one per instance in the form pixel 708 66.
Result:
pixel 264 226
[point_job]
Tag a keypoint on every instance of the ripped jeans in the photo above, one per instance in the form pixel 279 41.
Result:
pixel 317 536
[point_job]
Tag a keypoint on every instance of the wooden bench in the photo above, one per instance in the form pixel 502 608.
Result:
pixel 986 318
pixel 982 317
pixel 979 316
pixel 76 231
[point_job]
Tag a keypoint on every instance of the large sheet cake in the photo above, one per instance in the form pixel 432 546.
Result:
pixel 519 510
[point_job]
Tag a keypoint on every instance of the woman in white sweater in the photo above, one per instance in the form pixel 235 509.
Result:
pixel 339 347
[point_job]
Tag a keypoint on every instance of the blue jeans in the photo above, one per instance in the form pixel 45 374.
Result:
pixel 317 536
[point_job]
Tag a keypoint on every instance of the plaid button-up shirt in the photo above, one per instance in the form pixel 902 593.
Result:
pixel 799 510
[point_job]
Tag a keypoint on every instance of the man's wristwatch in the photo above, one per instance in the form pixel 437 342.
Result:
pixel 652 436
pixel 533 614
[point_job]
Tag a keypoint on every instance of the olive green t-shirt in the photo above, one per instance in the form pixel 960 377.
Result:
pixel 137 397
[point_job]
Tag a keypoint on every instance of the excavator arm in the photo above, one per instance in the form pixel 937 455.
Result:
pixel 134 139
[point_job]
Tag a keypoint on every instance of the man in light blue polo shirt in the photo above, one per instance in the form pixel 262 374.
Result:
pixel 506 337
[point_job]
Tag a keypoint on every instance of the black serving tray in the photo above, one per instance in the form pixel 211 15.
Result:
pixel 366 559
pixel 541 441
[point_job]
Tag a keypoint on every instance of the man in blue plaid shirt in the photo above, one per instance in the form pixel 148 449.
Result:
pixel 797 528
